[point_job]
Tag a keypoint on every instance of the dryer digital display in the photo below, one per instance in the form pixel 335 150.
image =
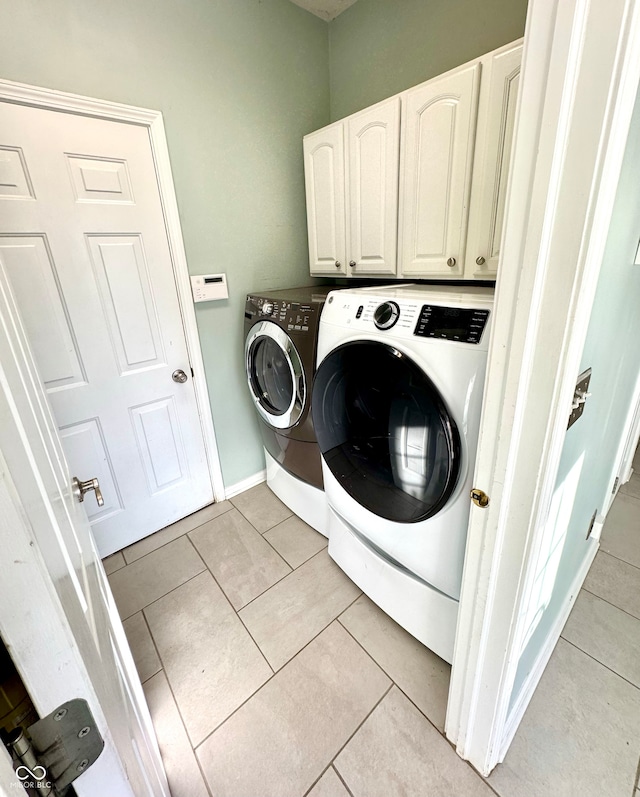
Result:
pixel 451 323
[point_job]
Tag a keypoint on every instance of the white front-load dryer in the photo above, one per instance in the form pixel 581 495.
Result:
pixel 396 407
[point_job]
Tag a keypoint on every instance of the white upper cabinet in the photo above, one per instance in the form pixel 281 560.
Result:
pixel 325 193
pixel 438 134
pixel 373 152
pixel 496 120
pixel 415 186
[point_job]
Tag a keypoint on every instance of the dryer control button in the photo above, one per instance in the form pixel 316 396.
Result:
pixel 386 315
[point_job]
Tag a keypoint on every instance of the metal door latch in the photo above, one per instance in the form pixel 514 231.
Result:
pixel 479 498
pixel 581 394
pixel 57 749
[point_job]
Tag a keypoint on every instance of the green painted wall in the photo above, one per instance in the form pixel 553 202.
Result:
pixel 590 449
pixel 239 83
pixel 381 47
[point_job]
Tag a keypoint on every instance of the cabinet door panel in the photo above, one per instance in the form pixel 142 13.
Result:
pixel 373 154
pixel 325 192
pixel 498 100
pixel 439 120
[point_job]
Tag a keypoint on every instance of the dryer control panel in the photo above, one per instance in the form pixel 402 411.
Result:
pixel 292 316
pixel 451 323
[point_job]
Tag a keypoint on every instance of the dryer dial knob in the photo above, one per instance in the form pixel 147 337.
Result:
pixel 386 315
pixel 267 308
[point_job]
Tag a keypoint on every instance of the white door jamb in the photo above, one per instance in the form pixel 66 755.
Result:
pixel 628 446
pixel 580 74
pixel 51 99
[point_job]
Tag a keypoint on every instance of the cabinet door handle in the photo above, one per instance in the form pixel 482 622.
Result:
pixel 451 262
pixel 352 263
pixel 480 261
pixel 338 264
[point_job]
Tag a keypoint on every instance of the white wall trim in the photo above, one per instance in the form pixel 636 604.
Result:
pixel 581 59
pixel 24 94
pixel 533 679
pixel 246 484
pixel 627 447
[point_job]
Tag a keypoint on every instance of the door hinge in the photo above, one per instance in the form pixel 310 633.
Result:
pixel 615 485
pixel 50 754
pixel 192 373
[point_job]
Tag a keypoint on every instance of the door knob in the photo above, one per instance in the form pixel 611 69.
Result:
pixel 480 260
pixel 80 488
pixel 179 376
pixel 451 262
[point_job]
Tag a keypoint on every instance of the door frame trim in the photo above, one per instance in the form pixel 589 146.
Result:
pixel 543 308
pixel 51 99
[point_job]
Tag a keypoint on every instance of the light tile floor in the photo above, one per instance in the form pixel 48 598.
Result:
pixel 268 673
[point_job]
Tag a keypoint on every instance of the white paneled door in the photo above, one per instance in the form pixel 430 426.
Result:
pixel 84 249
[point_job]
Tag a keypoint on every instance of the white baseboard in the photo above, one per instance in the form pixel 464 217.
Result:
pixel 532 680
pixel 245 484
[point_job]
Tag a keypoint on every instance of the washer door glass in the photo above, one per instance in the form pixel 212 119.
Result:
pixel 275 375
pixel 385 431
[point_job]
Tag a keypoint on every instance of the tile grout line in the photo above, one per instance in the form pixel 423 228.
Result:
pixel 293 570
pixel 369 713
pixel 278 552
pixel 619 558
pixel 235 611
pixel 164 545
pixel 636 500
pixel 418 709
pixel 224 591
pixel 357 641
pixel 163 670
pixel 340 778
pixel 177 706
pixel 615 605
pixel 602 664
pixel 271 528
pixel 153 642
pixel 322 774
pixel 184 728
pixel 194 747
pixel 275 672
pixel 160 597
pixel 117 568
pixel 262 533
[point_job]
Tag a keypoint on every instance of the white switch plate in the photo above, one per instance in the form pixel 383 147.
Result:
pixel 209 287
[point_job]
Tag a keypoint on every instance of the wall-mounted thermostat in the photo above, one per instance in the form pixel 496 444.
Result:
pixel 209 287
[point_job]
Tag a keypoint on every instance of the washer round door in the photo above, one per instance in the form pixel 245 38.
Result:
pixel 275 375
pixel 385 431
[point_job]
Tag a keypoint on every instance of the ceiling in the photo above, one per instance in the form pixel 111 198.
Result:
pixel 325 9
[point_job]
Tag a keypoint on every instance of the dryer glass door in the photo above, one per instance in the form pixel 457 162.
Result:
pixel 275 375
pixel 385 431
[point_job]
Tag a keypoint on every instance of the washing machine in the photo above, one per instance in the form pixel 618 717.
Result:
pixel 281 334
pixel 396 404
